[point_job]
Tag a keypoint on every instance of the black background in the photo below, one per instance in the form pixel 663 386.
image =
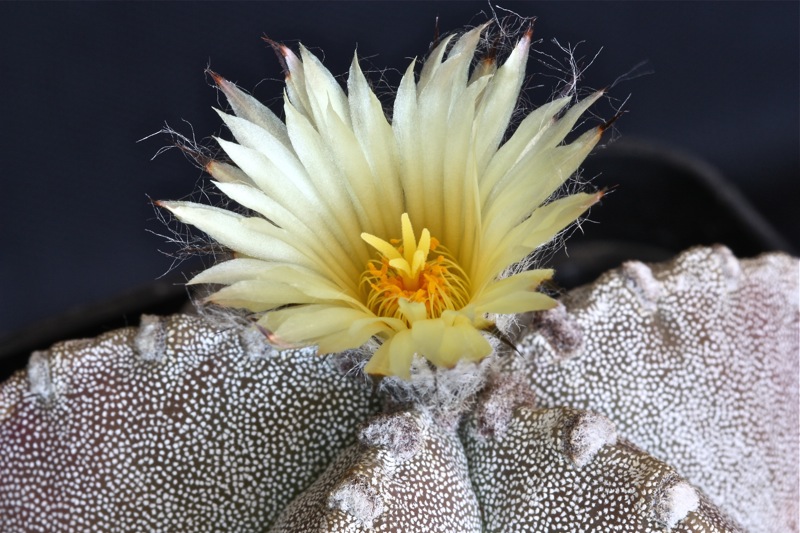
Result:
pixel 83 82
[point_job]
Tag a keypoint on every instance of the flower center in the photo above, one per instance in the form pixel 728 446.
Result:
pixel 408 270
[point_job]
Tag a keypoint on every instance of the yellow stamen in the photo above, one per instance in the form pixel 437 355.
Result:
pixel 404 271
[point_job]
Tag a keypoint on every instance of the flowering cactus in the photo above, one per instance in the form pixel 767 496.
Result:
pixel 335 255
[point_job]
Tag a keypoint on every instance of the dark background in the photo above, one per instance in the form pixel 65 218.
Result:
pixel 83 82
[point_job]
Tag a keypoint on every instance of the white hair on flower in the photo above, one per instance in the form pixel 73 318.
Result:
pixel 401 231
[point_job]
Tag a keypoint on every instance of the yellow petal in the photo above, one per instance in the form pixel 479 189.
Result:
pixel 253 136
pixel 542 226
pixel 523 282
pixel 325 178
pixel 359 332
pixel 499 102
pixel 432 63
pixel 307 322
pixel 259 296
pixel 463 341
pixel 512 204
pixel 525 137
pixel 519 302
pixel 310 284
pixel 330 255
pixel 229 272
pixel 444 345
pixel 377 142
pixel 459 184
pixel 296 82
pixel 296 195
pixel 412 311
pixel 406 132
pixel 359 182
pixel 394 357
pixel 402 351
pixel 428 336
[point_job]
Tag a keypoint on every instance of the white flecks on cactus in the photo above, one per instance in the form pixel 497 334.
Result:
pixel 429 490
pixel 528 482
pixel 696 361
pixel 220 431
pixel 201 437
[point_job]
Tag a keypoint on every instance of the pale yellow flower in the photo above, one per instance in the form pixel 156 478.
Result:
pixel 404 231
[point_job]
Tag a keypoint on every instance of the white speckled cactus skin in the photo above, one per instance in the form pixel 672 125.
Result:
pixel 696 361
pixel 649 395
pixel 176 426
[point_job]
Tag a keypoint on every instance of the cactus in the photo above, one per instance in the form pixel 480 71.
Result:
pixel 696 361
pixel 638 402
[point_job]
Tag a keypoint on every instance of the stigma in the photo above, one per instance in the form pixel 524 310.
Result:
pixel 419 271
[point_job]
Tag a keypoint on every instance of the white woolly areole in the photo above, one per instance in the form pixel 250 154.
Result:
pixel 150 341
pixel 358 498
pixel 639 279
pixel 400 434
pixel 39 376
pixel 677 501
pixel 729 266
pixel 255 344
pixel 444 392
pixel 587 436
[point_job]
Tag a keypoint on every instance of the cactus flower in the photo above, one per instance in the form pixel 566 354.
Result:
pixel 413 231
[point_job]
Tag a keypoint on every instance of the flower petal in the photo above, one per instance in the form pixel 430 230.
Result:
pixel 259 296
pixel 296 81
pixel 234 270
pixel 432 63
pixel 394 356
pixel 322 89
pixel 304 323
pixel 542 226
pixel 515 294
pixel 327 251
pixel 552 168
pixel 254 237
pixel 406 132
pixel 360 331
pixel 375 136
pixel 498 103
pixel 326 179
pixel 226 173
pixel 445 341
pixel 360 184
pixel 251 110
pixel 526 135
pixel 293 193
